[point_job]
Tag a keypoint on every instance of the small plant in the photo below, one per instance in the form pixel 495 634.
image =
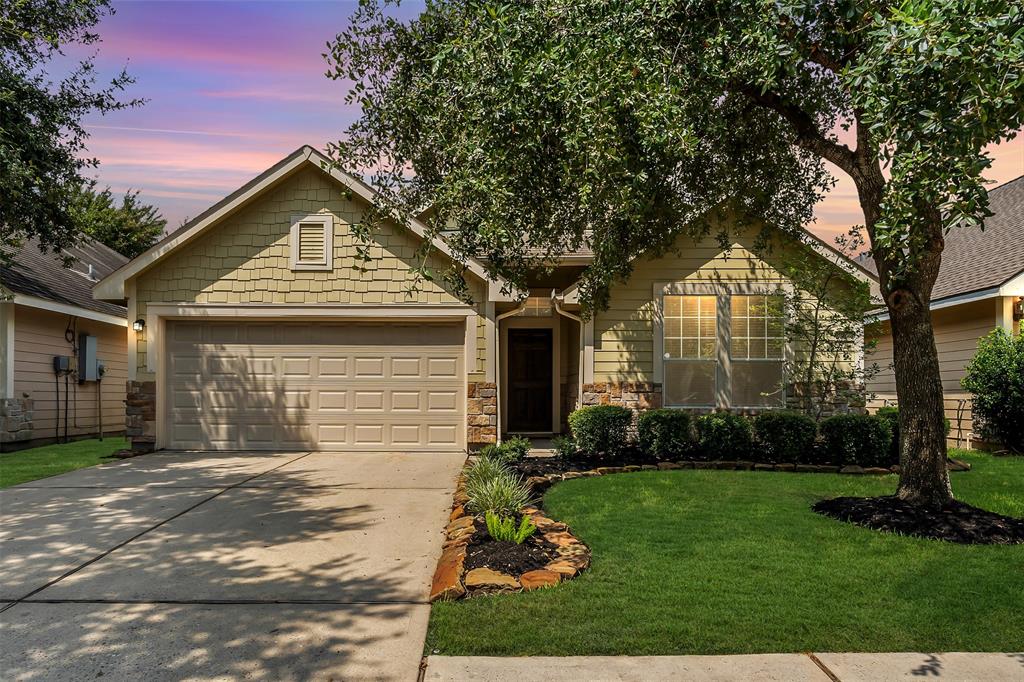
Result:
pixel 504 529
pixel 996 378
pixel 861 439
pixel 723 435
pixel 515 448
pixel 484 468
pixel 503 493
pixel 665 433
pixel 785 436
pixel 601 429
pixel 565 446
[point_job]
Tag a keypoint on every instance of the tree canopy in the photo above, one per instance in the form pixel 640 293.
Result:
pixel 129 228
pixel 42 139
pixel 532 127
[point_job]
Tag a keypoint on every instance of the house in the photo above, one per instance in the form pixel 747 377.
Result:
pixel 256 332
pixel 980 287
pixel 47 311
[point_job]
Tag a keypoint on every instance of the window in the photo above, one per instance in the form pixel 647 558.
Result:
pixel 691 350
pixel 757 350
pixel 312 241
pixel 723 350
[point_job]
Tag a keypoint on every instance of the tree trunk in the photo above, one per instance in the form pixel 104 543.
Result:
pixel 924 479
pixel 923 476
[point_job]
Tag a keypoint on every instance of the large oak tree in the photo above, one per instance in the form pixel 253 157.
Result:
pixel 531 127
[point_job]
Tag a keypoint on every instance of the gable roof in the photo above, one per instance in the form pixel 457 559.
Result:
pixel 43 276
pixel 977 263
pixel 112 287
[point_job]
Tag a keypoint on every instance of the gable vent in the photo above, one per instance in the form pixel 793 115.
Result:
pixel 311 242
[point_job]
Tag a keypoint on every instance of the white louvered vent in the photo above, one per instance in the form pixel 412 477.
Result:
pixel 311 243
pixel 311 246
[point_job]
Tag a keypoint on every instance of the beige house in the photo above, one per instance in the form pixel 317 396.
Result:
pixel 47 311
pixel 980 287
pixel 256 332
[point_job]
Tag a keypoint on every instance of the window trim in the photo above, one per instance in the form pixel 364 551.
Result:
pixel 327 221
pixel 723 291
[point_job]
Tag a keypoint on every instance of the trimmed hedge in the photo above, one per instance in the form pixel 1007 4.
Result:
pixel 862 439
pixel 724 436
pixel 601 429
pixel 785 436
pixel 665 433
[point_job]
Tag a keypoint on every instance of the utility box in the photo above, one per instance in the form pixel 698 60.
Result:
pixel 61 364
pixel 87 358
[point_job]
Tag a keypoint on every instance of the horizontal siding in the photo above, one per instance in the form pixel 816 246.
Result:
pixel 624 333
pixel 957 331
pixel 38 337
pixel 957 408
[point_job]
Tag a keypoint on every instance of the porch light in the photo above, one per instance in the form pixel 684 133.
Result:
pixel 139 324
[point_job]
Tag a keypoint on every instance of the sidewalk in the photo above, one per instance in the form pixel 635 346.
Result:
pixel 987 667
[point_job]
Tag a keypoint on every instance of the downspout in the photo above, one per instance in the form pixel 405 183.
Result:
pixel 497 362
pixel 579 369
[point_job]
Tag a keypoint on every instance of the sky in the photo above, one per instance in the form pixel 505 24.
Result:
pixel 233 87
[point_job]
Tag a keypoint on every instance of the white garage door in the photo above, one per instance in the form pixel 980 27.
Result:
pixel 315 386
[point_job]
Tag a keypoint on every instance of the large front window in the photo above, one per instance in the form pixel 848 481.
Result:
pixel 724 350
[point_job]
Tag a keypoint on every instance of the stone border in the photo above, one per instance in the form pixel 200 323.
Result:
pixel 451 580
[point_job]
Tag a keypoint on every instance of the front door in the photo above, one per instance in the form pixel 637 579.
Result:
pixel 529 380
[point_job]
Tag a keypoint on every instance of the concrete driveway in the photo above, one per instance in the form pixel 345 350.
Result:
pixel 206 566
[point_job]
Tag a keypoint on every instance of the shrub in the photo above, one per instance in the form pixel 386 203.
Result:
pixel 515 448
pixel 565 446
pixel 508 452
pixel 785 436
pixel 503 493
pixel 601 429
pixel 995 375
pixel 891 415
pixel 862 439
pixel 723 435
pixel 665 433
pixel 504 529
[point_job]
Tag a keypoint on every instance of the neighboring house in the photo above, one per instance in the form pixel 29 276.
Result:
pixel 979 288
pixel 257 333
pixel 47 311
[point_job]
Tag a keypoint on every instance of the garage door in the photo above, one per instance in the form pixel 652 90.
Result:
pixel 317 386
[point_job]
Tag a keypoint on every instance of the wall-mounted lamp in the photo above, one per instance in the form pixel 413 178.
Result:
pixel 139 324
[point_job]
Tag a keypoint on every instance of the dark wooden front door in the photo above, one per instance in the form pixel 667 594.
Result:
pixel 529 380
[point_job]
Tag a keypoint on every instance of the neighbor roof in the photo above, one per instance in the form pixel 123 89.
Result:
pixel 975 260
pixel 43 275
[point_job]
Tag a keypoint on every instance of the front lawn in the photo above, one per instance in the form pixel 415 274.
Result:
pixel 718 562
pixel 35 463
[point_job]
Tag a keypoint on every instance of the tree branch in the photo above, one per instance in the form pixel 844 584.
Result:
pixel 808 135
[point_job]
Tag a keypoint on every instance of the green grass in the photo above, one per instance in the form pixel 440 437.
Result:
pixel 718 562
pixel 35 463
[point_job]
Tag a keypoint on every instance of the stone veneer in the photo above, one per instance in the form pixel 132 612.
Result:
pixel 140 415
pixel 16 419
pixel 481 413
pixel 634 395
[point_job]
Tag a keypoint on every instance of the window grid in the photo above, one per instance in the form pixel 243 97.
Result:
pixel 690 327
pixel 757 328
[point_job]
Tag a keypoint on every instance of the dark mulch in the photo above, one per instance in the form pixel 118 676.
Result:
pixel 508 557
pixel 542 466
pixel 956 522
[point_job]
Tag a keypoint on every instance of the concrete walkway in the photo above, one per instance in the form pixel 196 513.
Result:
pixel 262 566
pixel 973 667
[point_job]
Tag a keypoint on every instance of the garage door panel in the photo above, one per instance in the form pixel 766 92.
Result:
pixel 316 386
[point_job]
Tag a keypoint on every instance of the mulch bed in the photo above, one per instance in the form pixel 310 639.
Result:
pixel 542 466
pixel 533 554
pixel 956 522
